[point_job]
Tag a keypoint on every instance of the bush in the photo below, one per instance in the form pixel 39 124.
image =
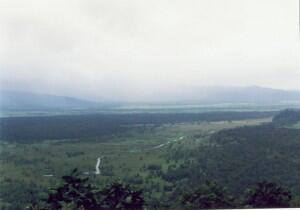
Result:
pixel 77 193
pixel 208 196
pixel 267 195
pixel 119 196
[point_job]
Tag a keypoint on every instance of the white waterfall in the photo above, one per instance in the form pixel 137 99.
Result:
pixel 98 166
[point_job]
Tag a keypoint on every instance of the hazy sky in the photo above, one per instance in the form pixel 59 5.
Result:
pixel 134 48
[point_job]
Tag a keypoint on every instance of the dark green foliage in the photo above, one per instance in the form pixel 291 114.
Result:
pixel 238 158
pixel 137 179
pixel 268 195
pixel 174 174
pixel 119 196
pixel 249 154
pixel 154 167
pixel 208 196
pixel 77 193
pixel 16 197
pixel 28 129
pixel 287 117
pixel 75 190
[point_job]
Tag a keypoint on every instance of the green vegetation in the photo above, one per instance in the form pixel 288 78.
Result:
pixel 77 193
pixel 241 157
pixel 268 195
pixel 295 126
pixel 165 160
pixel 287 117
pixel 29 129
pixel 209 196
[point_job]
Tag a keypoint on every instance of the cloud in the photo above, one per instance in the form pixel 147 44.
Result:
pixel 133 48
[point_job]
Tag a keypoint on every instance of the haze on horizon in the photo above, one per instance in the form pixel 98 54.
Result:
pixel 138 50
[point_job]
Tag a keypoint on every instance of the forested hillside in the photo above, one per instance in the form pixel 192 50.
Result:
pixel 240 157
pixel 287 117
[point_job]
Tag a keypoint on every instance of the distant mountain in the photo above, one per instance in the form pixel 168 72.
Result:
pixel 16 100
pixel 252 94
pixel 215 95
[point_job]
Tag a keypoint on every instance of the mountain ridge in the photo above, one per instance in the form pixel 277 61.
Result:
pixel 21 100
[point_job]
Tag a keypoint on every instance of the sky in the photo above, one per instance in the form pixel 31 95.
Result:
pixel 137 49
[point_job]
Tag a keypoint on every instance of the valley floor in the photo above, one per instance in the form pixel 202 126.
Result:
pixel 140 156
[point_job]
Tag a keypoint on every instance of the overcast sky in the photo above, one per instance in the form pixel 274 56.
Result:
pixel 133 48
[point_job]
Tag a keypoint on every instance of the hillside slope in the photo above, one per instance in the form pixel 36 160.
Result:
pixel 15 100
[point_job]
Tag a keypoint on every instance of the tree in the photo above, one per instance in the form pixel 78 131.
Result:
pixel 208 196
pixel 267 195
pixel 76 191
pixel 119 196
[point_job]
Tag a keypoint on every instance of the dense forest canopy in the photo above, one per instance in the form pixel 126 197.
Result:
pixel 24 129
pixel 241 156
pixel 287 117
pixel 77 193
